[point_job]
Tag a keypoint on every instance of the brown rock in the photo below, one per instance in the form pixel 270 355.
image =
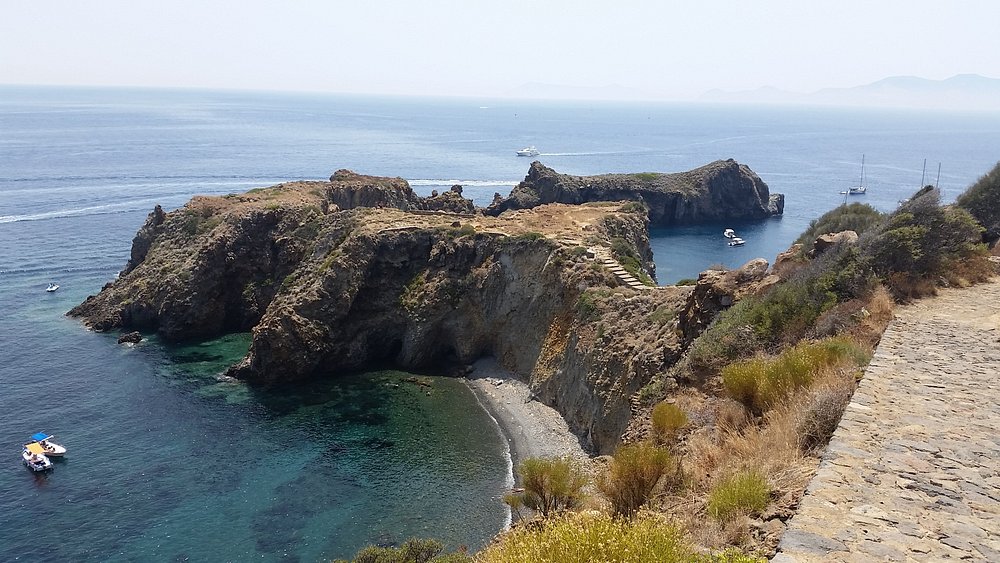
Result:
pixel 823 242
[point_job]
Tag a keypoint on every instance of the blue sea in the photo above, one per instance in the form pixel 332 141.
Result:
pixel 169 461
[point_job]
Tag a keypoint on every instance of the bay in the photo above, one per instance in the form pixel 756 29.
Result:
pixel 170 461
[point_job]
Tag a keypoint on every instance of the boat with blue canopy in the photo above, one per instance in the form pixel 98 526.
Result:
pixel 45 441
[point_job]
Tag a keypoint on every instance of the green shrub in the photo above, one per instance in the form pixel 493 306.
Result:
pixel 632 475
pixel 667 420
pixel 550 485
pixel 920 242
pixel 746 492
pixel 635 207
pixel 592 537
pixel 587 305
pixel 646 176
pixel 981 199
pixel 760 383
pixel 413 551
pixel 530 236
pixel 663 315
pixel 787 312
pixel 857 217
pixel 686 281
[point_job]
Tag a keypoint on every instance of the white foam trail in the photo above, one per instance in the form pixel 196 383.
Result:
pixel 509 518
pixel 468 183
pixel 134 205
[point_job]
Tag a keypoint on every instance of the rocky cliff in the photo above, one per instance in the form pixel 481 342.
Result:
pixel 721 190
pixel 360 272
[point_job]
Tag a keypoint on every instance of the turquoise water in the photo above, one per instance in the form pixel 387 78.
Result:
pixel 169 462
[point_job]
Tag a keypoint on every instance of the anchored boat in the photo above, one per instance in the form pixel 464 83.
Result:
pixel 34 457
pixel 45 441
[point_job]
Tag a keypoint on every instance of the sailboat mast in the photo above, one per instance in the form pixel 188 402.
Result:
pixel 923 174
pixel 862 171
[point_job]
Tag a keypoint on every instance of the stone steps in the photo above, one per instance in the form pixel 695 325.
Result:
pixel 603 257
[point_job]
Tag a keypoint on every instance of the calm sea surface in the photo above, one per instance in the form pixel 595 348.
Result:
pixel 168 461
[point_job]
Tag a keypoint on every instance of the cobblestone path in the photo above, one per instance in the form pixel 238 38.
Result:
pixel 913 471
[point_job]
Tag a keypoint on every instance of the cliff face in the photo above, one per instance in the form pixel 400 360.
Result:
pixel 721 190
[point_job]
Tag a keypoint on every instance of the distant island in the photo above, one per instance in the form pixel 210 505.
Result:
pixel 960 92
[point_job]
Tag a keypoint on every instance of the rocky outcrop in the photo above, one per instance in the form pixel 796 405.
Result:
pixel 450 201
pixel 722 190
pixel 717 290
pixel 824 242
pixel 133 337
pixel 348 190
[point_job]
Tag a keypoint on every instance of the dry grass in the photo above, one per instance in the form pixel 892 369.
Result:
pixel 667 421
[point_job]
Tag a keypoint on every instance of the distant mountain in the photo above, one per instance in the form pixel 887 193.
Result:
pixel 962 91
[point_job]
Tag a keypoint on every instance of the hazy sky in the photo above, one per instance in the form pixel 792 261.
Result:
pixel 490 48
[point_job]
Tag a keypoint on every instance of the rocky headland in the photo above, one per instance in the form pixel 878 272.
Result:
pixel 360 272
pixel 721 190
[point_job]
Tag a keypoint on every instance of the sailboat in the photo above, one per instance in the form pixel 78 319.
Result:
pixel 861 188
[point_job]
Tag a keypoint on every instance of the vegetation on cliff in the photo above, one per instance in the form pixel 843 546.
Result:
pixel 981 201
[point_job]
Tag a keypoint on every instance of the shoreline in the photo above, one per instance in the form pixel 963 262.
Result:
pixel 531 428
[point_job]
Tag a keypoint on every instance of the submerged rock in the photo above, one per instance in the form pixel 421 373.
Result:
pixel 133 337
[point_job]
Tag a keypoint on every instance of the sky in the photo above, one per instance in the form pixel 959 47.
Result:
pixel 625 48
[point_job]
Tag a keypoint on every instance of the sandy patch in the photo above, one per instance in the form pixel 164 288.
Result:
pixel 531 428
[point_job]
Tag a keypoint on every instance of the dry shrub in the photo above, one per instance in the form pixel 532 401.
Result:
pixel 906 287
pixel 821 412
pixel 667 420
pixel 971 270
pixel 760 383
pixel 731 416
pixel 629 480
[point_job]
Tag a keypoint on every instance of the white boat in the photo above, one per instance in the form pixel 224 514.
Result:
pixel 34 458
pixel 49 447
pixel 528 151
pixel 729 233
pixel 52 287
pixel 737 241
pixel 860 189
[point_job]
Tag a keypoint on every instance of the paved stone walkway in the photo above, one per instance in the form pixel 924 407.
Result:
pixel 913 471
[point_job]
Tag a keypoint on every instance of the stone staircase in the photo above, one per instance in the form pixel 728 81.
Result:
pixel 603 256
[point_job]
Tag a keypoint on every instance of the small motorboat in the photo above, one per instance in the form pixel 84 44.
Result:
pixel 34 458
pixel 729 233
pixel 737 241
pixel 52 287
pixel 528 151
pixel 50 448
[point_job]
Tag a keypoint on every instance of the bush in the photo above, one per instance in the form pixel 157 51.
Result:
pixel 667 420
pixel 920 242
pixel 760 383
pixel 634 472
pixel 743 493
pixel 857 217
pixel 591 537
pixel 550 485
pixel 413 551
pixel 786 313
pixel 981 199
pixel 822 413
